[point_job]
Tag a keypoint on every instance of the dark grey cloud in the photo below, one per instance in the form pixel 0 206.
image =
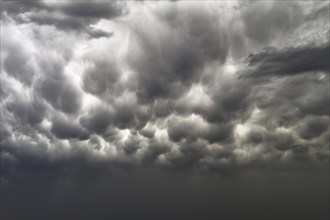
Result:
pixel 14 7
pixel 290 61
pixel 91 9
pixel 95 33
pixel 102 75
pixel 69 24
pixel 290 102
pixel 65 129
pixel 16 59
pixel 190 154
pixel 191 39
pixel 60 94
pixel 184 129
pixel 232 101
pixel 66 16
pixel 265 21
pixel 154 151
pixel 131 146
pixel 31 112
pixel 191 130
pixel 98 119
pixel 314 127
pixel 80 9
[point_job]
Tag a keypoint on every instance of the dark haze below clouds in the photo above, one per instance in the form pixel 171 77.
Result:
pixel 150 194
pixel 164 110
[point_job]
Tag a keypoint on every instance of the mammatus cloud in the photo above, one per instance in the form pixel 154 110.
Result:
pixel 218 102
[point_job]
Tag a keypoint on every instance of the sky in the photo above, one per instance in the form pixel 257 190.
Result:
pixel 164 109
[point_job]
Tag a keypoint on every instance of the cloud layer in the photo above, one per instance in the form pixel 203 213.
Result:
pixel 92 90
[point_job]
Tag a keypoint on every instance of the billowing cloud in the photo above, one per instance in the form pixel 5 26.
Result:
pixel 162 107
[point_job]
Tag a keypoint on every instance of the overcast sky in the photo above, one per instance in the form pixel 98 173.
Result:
pixel 165 110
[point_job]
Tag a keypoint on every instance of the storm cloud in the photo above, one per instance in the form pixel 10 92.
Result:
pixel 179 109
